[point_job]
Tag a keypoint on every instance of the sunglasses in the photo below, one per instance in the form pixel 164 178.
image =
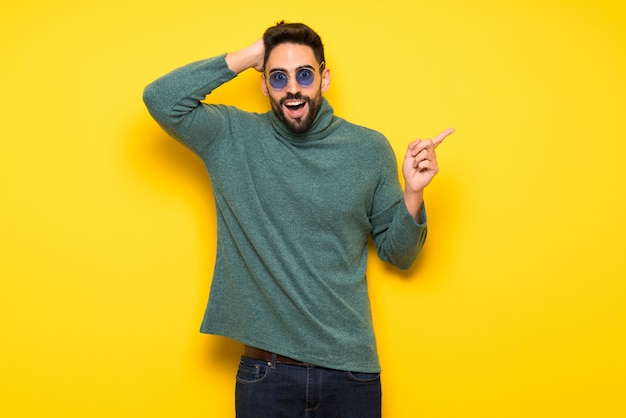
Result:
pixel 305 76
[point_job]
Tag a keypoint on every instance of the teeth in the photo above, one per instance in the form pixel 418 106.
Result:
pixel 294 103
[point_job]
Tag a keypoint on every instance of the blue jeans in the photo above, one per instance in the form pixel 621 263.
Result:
pixel 275 390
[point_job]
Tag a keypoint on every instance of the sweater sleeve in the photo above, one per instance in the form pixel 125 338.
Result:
pixel 397 237
pixel 174 101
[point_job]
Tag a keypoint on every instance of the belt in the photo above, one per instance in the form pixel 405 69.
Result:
pixel 258 354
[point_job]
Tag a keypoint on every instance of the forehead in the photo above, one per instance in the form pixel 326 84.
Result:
pixel 291 56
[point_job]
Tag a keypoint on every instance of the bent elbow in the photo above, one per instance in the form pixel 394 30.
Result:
pixel 151 97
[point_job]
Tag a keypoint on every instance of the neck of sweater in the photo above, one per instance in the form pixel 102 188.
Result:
pixel 323 125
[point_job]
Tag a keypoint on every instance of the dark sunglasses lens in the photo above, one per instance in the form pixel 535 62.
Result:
pixel 278 80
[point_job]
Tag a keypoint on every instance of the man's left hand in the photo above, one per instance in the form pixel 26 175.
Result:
pixel 420 162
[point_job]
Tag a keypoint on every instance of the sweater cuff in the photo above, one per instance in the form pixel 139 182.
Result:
pixel 409 219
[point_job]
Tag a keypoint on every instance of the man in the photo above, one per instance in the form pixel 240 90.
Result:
pixel 298 192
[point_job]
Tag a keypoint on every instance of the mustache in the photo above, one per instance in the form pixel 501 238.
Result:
pixel 297 96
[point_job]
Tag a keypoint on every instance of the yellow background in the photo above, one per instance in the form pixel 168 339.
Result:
pixel 516 306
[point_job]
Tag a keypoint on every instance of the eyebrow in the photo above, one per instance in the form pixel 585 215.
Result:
pixel 282 70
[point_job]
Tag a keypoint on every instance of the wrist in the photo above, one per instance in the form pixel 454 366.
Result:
pixel 413 201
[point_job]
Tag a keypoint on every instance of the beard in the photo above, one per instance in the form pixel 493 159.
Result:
pixel 302 124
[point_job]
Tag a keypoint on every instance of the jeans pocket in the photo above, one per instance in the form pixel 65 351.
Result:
pixel 252 371
pixel 364 377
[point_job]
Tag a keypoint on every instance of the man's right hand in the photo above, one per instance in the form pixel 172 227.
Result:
pixel 248 57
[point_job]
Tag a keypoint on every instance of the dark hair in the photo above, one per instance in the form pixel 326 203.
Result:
pixel 293 33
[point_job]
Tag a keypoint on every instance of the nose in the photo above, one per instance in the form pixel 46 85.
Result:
pixel 293 86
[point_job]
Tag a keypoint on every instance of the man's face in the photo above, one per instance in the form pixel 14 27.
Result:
pixel 293 83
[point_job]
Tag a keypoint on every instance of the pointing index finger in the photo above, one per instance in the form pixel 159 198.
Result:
pixel 439 138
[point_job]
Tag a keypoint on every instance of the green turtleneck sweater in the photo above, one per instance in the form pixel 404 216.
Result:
pixel 294 214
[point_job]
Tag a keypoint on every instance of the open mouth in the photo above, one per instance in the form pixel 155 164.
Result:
pixel 295 105
pixel 295 108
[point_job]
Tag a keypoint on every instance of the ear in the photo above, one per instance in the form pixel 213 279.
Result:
pixel 325 80
pixel 264 85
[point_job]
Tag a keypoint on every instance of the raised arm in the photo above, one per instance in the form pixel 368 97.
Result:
pixel 175 99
